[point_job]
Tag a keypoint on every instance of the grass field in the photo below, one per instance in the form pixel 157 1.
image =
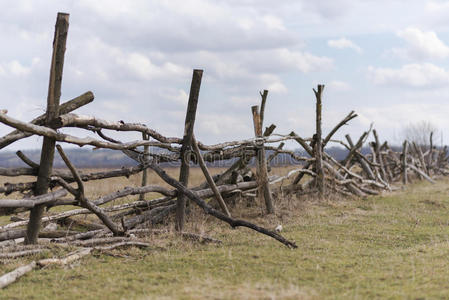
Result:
pixel 391 246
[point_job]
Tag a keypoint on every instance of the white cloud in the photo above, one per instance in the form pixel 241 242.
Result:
pixel 273 83
pixel 339 86
pixel 329 9
pixel 15 68
pixel 179 97
pixel 224 126
pixel 437 6
pixel 344 43
pixel 421 45
pixel 273 22
pixel 143 67
pixel 243 101
pixel 411 75
pixel 303 61
pixel 395 117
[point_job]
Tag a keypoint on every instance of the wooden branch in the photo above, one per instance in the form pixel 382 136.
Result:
pixel 361 158
pixel 269 130
pixel 209 179
pixel 424 175
pixel 348 118
pixel 84 201
pixel 353 148
pixel 26 160
pixel 135 191
pixel 9 188
pixel 100 241
pixel 14 172
pixel 211 211
pixel 302 142
pixel 28 203
pixel 350 186
pixel 66 260
pixel 421 157
pixel 123 244
pixel 205 193
pixel 64 108
pixel 23 253
pixel 61 137
pixel 12 276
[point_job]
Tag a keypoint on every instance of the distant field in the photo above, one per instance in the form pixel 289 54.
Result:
pixel 391 246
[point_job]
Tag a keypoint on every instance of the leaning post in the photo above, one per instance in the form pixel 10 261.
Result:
pixel 186 147
pixel 48 145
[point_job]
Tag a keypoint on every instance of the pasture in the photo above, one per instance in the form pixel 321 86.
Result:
pixel 390 246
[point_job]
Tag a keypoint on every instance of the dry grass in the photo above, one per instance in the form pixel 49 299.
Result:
pixel 390 246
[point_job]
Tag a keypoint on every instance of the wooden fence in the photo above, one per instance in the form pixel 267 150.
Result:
pixel 319 173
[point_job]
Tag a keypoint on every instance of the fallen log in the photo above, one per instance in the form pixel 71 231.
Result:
pixel 122 244
pixel 23 253
pixel 66 260
pixel 12 276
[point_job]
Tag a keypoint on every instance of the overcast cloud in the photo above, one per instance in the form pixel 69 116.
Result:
pixel 137 57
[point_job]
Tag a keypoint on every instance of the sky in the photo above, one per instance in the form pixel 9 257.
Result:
pixel 387 60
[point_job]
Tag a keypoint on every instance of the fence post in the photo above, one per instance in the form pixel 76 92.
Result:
pixel 146 150
pixel 262 171
pixel 318 143
pixel 48 145
pixel 404 162
pixel 187 146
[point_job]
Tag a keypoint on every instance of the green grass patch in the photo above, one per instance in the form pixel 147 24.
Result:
pixel 393 246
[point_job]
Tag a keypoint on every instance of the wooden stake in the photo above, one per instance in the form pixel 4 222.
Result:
pixel 264 192
pixel 318 143
pixel 379 157
pixel 146 150
pixel 186 146
pixel 48 145
pixel 404 162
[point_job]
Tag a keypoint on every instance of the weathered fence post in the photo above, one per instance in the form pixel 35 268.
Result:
pixel 146 150
pixel 430 155
pixel 48 145
pixel 404 162
pixel 319 143
pixel 187 145
pixel 262 171
pixel 379 156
